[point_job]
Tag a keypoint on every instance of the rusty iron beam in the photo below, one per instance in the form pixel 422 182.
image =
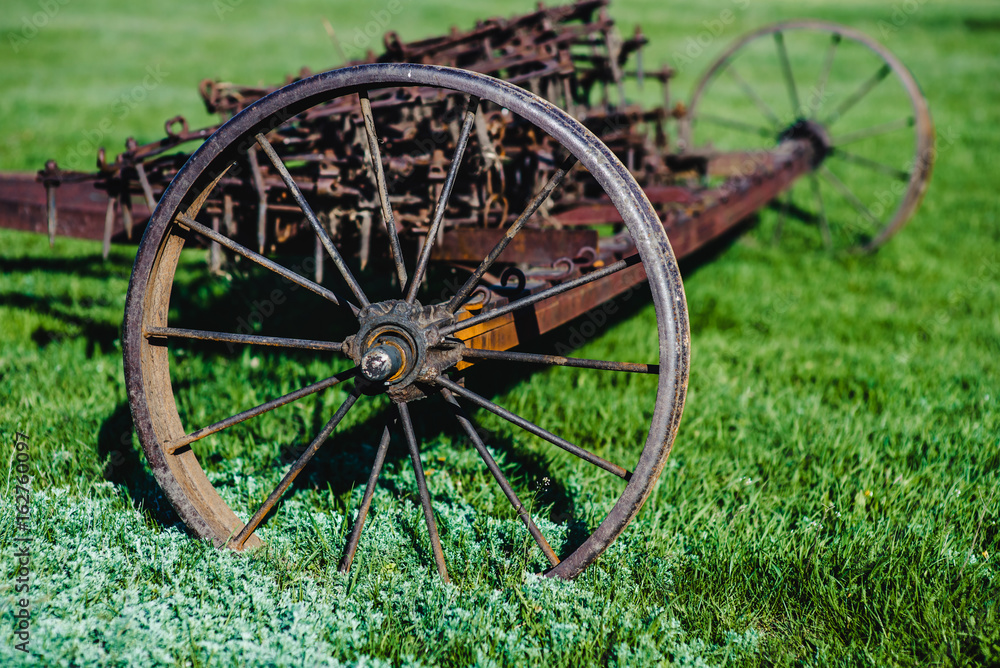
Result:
pixel 530 246
pixel 82 209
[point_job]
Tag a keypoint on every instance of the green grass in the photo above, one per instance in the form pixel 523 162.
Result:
pixel 831 498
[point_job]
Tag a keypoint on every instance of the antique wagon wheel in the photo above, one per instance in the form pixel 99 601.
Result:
pixel 855 99
pixel 396 338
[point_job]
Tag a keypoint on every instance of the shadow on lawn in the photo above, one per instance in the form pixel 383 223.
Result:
pixel 125 466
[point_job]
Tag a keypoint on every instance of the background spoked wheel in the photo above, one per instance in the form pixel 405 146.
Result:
pixel 811 78
pixel 372 351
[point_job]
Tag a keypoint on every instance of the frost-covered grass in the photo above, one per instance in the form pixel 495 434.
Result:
pixel 114 588
pixel 831 499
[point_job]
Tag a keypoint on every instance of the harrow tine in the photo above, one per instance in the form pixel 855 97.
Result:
pixel 109 222
pixel 50 208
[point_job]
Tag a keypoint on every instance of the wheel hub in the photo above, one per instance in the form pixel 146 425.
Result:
pixel 814 133
pixel 398 344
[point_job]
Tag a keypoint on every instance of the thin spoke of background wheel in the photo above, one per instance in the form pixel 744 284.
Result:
pixel 317 226
pixel 425 498
pixel 839 186
pixel 824 223
pixel 425 253
pixel 874 131
pixel 874 165
pixel 786 70
pixel 253 256
pixel 825 75
pixel 557 360
pixel 543 295
pixel 249 339
pixel 172 446
pixel 530 427
pixel 752 94
pixel 735 125
pixel 484 266
pixel 383 191
pixel 498 475
pixel 251 526
pixel 857 95
pixel 352 541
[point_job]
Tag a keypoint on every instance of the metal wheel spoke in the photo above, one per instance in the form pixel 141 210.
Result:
pixel 874 131
pixel 786 70
pixel 824 78
pixel 498 475
pixel 875 165
pixel 383 191
pixel 249 339
pixel 172 446
pixel 736 125
pixel 425 498
pixel 321 232
pixel 556 360
pixel 824 223
pixel 858 95
pixel 251 526
pixel 752 94
pixel 253 256
pixel 352 541
pixel 484 266
pixel 543 295
pixel 838 185
pixel 513 418
pixel 425 253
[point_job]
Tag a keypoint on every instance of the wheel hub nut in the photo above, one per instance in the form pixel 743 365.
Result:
pixel 381 362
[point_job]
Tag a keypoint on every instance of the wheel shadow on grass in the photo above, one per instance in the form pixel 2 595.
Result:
pixel 126 467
